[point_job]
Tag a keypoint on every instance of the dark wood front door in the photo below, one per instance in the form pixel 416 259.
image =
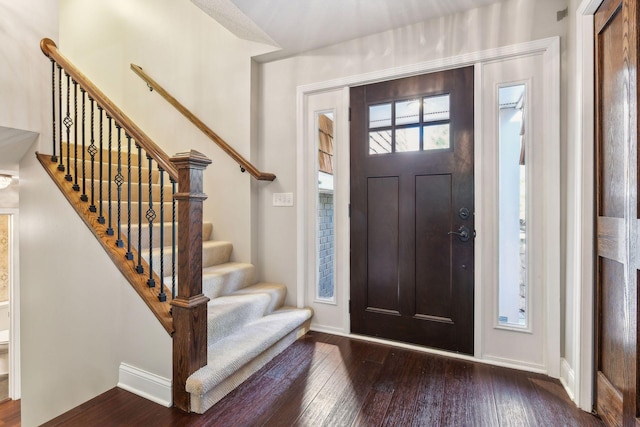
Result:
pixel 617 261
pixel 411 185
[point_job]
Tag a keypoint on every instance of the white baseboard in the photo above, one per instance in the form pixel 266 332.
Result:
pixel 567 378
pixel 145 384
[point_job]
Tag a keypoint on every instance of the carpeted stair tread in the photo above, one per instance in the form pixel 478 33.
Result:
pixel 224 279
pixel 277 293
pixel 228 314
pixel 229 354
pixel 207 230
pixel 155 193
pixel 214 252
pixel 155 175
pixel 105 153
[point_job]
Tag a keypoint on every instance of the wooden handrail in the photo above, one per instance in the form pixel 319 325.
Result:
pixel 50 50
pixel 244 163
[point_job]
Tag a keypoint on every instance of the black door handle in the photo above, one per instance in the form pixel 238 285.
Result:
pixel 463 233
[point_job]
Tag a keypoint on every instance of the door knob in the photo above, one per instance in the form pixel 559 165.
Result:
pixel 463 233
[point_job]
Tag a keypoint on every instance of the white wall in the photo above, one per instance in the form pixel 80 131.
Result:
pixel 77 326
pixel 505 23
pixel 200 63
pixel 25 73
pixel 80 317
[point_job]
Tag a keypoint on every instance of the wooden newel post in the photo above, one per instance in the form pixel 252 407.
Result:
pixel 190 305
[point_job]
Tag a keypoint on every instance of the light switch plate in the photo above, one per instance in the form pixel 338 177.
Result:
pixel 282 199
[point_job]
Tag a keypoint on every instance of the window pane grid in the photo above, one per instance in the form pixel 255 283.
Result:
pixel 416 124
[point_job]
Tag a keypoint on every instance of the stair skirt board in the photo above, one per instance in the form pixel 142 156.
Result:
pixel 145 384
pixel 200 403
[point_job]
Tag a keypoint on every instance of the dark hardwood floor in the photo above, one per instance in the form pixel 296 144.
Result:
pixel 326 380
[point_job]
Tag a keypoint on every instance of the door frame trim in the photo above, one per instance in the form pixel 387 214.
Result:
pixel 583 242
pixel 550 48
pixel 14 305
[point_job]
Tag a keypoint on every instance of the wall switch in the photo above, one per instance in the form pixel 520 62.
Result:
pixel 282 199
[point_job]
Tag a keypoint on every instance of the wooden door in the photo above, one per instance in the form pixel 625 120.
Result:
pixel 411 189
pixel 616 397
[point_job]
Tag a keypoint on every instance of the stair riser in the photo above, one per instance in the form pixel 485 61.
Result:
pixel 218 285
pixel 264 299
pixel 155 192
pixel 221 324
pixel 105 151
pixel 211 256
pixel 114 171
pixel 134 214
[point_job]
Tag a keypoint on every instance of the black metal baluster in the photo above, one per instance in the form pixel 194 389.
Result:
pixel 139 267
pixel 129 254
pixel 151 216
pixel 101 217
pixel 92 152
pixel 174 244
pixel 83 197
pixel 119 180
pixel 54 158
pixel 61 164
pixel 161 296
pixel 109 202
pixel 68 121
pixel 75 187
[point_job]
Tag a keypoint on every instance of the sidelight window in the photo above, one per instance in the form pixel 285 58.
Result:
pixel 325 235
pixel 512 208
pixel 418 124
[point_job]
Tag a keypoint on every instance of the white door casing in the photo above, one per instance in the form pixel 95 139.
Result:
pixel 548 49
pixel 329 316
pixel 14 304
pixel 525 347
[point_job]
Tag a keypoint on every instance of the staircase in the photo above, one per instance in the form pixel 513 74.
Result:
pixel 248 323
pixel 130 210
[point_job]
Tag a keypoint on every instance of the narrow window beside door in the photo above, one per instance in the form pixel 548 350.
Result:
pixel 325 289
pixel 513 208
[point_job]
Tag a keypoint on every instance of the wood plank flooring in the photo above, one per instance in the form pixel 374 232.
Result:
pixel 10 413
pixel 326 380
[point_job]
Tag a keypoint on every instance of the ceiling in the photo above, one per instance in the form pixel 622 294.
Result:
pixel 14 143
pixel 300 25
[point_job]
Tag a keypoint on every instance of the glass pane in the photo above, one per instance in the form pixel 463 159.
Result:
pixel 436 108
pixel 408 112
pixel 380 142
pixel 436 137
pixel 408 139
pixel 326 268
pixel 379 116
pixel 512 258
pixel 325 284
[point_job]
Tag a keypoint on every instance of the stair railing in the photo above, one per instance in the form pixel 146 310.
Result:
pixel 95 135
pixel 245 165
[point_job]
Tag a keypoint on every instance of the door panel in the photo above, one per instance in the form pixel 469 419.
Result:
pixel 411 173
pixel 616 206
pixel 433 265
pixel 382 244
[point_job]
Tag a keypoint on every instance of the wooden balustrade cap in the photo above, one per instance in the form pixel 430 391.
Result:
pixel 193 158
